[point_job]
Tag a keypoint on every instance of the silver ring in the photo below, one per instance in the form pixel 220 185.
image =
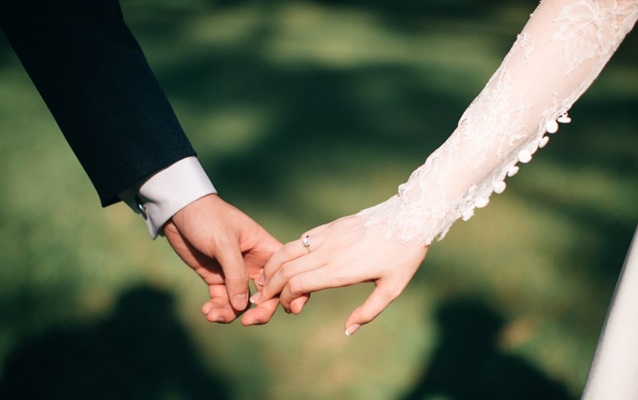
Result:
pixel 305 242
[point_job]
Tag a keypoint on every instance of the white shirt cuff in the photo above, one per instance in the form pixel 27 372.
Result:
pixel 162 195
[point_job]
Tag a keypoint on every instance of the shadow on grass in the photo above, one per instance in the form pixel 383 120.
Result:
pixel 468 365
pixel 141 351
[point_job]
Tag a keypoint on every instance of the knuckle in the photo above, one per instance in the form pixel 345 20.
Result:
pixel 296 286
pixel 237 274
pixel 288 251
pixel 388 293
pixel 287 272
pixel 221 242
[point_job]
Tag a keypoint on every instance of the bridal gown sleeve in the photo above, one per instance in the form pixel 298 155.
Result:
pixel 557 56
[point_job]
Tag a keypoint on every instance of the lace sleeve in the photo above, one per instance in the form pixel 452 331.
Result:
pixel 559 53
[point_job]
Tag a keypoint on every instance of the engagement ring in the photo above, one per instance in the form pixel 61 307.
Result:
pixel 305 242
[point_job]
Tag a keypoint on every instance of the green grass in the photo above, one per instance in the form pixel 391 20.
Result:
pixel 303 112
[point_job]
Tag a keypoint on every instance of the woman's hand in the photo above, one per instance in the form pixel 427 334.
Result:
pixel 341 253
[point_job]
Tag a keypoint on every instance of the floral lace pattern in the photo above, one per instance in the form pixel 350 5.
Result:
pixel 590 28
pixel 560 52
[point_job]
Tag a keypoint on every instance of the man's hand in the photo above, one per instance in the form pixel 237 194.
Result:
pixel 225 248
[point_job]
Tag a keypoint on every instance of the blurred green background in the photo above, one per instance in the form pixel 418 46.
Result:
pixel 304 111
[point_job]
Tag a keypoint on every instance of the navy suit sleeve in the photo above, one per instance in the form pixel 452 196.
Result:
pixel 93 76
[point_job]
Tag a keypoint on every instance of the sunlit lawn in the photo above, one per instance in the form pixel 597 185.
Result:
pixel 303 112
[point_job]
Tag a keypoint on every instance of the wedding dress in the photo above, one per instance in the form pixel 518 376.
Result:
pixel 557 56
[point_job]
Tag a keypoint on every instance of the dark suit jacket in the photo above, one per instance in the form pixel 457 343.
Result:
pixel 94 78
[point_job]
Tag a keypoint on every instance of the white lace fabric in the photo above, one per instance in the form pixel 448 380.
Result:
pixel 559 53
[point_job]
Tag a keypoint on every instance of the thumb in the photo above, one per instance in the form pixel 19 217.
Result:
pixel 297 304
pixel 379 300
pixel 235 274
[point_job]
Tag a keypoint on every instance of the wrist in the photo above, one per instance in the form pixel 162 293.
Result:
pixel 167 192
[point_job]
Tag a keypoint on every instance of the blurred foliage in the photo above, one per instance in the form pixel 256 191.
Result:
pixel 303 111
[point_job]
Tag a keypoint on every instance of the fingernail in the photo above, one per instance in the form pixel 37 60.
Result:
pixel 261 280
pixel 255 297
pixel 240 301
pixel 352 329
